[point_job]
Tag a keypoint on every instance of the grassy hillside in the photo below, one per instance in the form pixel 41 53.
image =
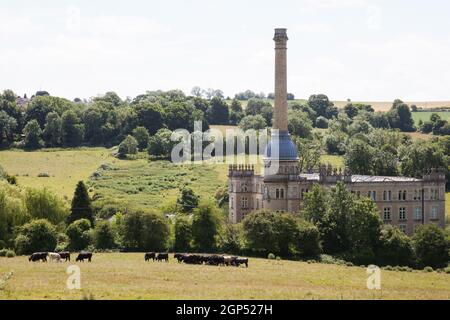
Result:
pixel 127 276
pixel 148 184
pixel 64 167
pixel 425 116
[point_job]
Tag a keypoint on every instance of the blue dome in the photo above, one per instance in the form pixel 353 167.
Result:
pixel 283 143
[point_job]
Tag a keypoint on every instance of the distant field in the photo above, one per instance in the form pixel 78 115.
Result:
pixel 377 105
pixel 425 116
pixel 124 276
pixel 387 105
pixel 64 167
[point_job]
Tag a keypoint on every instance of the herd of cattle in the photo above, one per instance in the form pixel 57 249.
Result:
pixel 59 257
pixel 212 259
pixel 207 259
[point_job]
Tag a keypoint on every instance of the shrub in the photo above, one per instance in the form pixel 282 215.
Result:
pixel 308 239
pixel 43 175
pixel 3 252
pixel 394 248
pixel 271 256
pixel 10 254
pixel 104 237
pixel 428 269
pixel 322 122
pixel 145 231
pixel 205 226
pixel 38 235
pixel 183 234
pixel 431 246
pixel 447 270
pixel 79 234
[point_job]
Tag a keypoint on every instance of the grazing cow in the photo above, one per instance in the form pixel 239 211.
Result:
pixel 65 255
pixel 162 256
pixel 215 260
pixel 38 256
pixel 179 256
pixel 229 260
pixel 240 261
pixel 150 255
pixel 84 255
pixel 54 257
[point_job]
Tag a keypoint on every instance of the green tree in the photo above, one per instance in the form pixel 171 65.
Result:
pixel 205 227
pixel 299 124
pixel 81 205
pixel 218 112
pixel 37 236
pixel 315 204
pixel 104 237
pixel 253 122
pixel 151 116
pixel 8 126
pixel 359 157
pixel 395 248
pixel 72 130
pixel 129 146
pixel 188 200
pixel 33 133
pixel 79 233
pixel 160 145
pixel 322 106
pixel 431 246
pixel 53 130
pixel 183 234
pixel 231 239
pixel 307 238
pixel 142 137
pixel 42 204
pixel 145 231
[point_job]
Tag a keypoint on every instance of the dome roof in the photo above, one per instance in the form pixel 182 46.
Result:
pixel 282 144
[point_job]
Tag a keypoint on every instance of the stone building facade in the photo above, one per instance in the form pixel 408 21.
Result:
pixel 404 202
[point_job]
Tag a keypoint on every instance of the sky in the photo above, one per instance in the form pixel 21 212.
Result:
pixel 348 49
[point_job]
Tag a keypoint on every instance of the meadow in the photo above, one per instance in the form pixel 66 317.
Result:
pixel 126 276
pixel 425 116
pixel 59 170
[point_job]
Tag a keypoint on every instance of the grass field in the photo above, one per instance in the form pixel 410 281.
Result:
pixel 149 184
pixel 126 276
pixel 377 105
pixel 425 116
pixel 64 167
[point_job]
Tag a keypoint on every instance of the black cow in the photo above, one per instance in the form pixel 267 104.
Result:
pixel 84 255
pixel 65 255
pixel 179 256
pixel 162 256
pixel 38 256
pixel 240 261
pixel 150 255
pixel 216 260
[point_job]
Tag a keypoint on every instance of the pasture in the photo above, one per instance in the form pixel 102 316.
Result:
pixel 60 169
pixel 126 276
pixel 425 116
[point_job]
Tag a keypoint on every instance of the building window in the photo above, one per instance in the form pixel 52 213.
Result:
pixel 402 214
pixel 257 204
pixel 417 213
pixel 244 188
pixel 384 195
pixel 244 203
pixel 232 203
pixel 434 213
pixel 404 195
pixel 279 193
pixel 387 214
pixel 402 227
pixel 389 195
pixel 374 195
pixel 417 195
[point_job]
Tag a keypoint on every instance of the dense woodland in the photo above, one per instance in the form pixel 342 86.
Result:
pixel 335 224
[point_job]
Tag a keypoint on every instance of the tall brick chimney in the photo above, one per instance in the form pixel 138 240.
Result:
pixel 281 107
